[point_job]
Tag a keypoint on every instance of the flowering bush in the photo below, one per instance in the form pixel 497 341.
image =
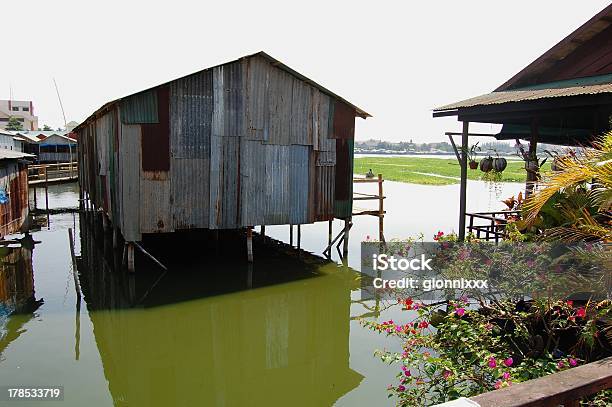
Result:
pixel 451 350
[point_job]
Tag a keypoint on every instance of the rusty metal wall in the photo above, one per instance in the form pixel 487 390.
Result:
pixel 14 180
pixel 241 144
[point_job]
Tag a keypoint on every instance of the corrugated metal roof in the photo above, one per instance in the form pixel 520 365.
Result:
pixel 496 98
pixel 13 155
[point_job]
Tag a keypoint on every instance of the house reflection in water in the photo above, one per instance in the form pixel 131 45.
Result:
pixel 179 339
pixel 17 300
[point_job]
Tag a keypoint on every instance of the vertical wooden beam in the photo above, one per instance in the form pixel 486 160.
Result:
pixel 34 196
pixel 381 209
pixel 330 230
pixel 532 162
pixel 131 261
pixel 46 189
pixel 299 236
pixel 463 182
pixel 291 235
pixel 347 227
pixel 115 237
pixel 249 234
pixel 263 230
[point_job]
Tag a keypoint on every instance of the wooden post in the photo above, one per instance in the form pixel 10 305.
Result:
pixel 263 230
pixel 249 243
pixel 532 162
pixel 46 190
pixel 291 235
pixel 115 237
pixel 131 263
pixel 463 182
pixel 299 236
pixel 347 226
pixel 34 196
pixel 381 209
pixel 330 231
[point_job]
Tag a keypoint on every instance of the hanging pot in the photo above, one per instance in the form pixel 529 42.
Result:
pixel 499 164
pixel 486 164
pixel 473 164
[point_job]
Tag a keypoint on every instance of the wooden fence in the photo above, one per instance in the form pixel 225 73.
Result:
pixel 44 174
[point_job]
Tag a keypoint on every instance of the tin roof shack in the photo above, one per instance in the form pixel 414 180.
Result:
pixel 13 191
pixel 57 148
pixel 249 142
pixel 564 97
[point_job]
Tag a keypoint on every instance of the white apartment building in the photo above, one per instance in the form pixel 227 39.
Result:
pixel 20 109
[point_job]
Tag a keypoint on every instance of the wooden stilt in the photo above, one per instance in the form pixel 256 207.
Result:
pixel 532 165
pixel 250 244
pixel 330 231
pixel 463 181
pixel 131 263
pixel 115 238
pixel 347 227
pixel 291 235
pixel 46 190
pixel 299 236
pixel 263 230
pixel 381 210
pixel 35 197
pixel 150 256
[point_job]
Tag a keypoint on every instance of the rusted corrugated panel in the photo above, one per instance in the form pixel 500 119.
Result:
pixel 155 140
pixel 301 114
pixel 253 180
pixel 13 177
pixel 190 192
pixel 298 183
pixel 257 106
pixel 280 92
pixel 277 184
pixel 234 100
pixel 343 121
pixel 140 108
pixel 155 209
pixel 343 204
pixel 129 169
pixel 191 107
pixel 224 182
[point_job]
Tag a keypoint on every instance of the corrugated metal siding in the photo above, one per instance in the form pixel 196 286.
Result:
pixel 224 182
pixel 140 108
pixel 155 140
pixel 155 212
pixel 298 184
pixel 343 205
pixel 252 182
pixel 301 114
pixel 343 121
pixel 324 192
pixel 257 105
pixel 191 108
pixel 14 179
pixel 280 93
pixel 129 168
pixel 190 193
pixel 277 184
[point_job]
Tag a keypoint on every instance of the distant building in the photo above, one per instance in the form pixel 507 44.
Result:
pixel 71 125
pixel 23 111
pixel 11 141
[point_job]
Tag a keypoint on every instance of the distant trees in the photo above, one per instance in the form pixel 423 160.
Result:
pixel 14 124
pixel 47 128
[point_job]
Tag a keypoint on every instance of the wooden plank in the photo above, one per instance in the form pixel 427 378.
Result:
pixel 553 390
pixel 463 181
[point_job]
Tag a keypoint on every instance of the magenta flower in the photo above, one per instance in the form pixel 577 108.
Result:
pixel 401 388
pixel 460 312
pixel 447 374
pixel 506 376
pixel 407 373
pixel 498 385
pixel 492 363
pixel 573 362
pixel 508 362
pixel 580 313
pixel 560 365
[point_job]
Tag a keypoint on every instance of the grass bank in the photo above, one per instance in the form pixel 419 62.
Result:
pixel 431 171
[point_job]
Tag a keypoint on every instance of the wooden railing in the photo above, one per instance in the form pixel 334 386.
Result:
pixel 565 388
pixel 43 174
pixel 495 226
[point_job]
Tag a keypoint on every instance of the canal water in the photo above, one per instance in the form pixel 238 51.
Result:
pixel 211 331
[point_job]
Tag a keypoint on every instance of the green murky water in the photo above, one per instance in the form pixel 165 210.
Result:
pixel 212 331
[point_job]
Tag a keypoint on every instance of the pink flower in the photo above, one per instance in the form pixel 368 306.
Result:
pixel 580 313
pixel 560 365
pixel 460 312
pixel 573 362
pixel 498 385
pixel 506 376
pixel 489 326
pixel 570 303
pixel 423 324
pixel 446 374
pixel 398 329
pixel 367 238
pixel 508 362
pixel 492 363
pixel 407 373
pixel 389 387
pixel 401 388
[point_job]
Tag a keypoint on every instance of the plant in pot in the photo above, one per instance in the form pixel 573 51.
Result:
pixel 471 155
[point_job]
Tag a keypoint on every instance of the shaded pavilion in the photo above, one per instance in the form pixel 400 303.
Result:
pixel 564 97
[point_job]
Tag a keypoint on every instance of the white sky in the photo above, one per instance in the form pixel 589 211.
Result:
pixel 395 59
